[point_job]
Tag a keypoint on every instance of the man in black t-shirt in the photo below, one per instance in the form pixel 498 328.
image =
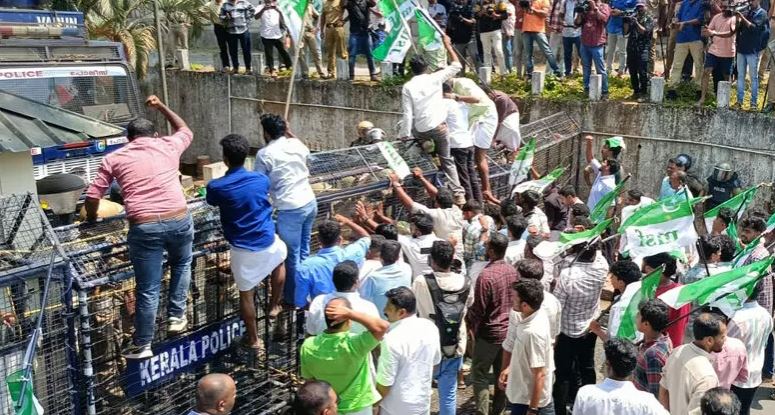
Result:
pixel 360 41
pixel 490 15
pixel 460 29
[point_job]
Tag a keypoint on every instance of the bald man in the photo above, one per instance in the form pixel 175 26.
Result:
pixel 215 394
pixel 315 397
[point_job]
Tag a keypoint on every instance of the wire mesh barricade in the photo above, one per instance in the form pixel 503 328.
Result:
pixel 557 145
pixel 166 383
pixel 27 246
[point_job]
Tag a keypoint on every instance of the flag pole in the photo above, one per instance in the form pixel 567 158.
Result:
pixel 296 52
pixel 29 354
pixel 700 249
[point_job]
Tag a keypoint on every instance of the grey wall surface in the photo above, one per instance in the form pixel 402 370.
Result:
pixel 653 133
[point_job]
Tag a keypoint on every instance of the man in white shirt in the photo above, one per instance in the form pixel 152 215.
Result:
pixel 272 30
pixel 625 277
pixel 616 394
pixel 605 180
pixel 346 283
pixel 448 219
pixel 753 325
pixel 461 143
pixel 408 354
pixel 417 247
pixel 528 358
pixel 215 394
pixel 453 288
pixel 688 372
pixel 284 161
pixel 533 269
pixel 537 222
pixel 422 102
pixel 516 225
pixel 632 201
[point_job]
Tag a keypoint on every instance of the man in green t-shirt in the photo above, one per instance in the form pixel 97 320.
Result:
pixel 342 359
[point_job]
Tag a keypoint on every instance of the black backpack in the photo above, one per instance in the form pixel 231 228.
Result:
pixel 449 309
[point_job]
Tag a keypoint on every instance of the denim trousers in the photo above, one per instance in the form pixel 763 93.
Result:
pixel 543 43
pixel 521 409
pixel 147 243
pixel 360 44
pixel 445 374
pixel 567 48
pixel 508 52
pixel 590 55
pixel 767 369
pixel 748 63
pixel 294 227
pixel 241 40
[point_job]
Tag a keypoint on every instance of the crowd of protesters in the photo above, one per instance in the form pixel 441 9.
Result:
pixel 390 312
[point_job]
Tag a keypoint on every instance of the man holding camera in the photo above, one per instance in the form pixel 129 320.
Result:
pixel 639 29
pixel 490 16
pixel 592 16
pixel 617 38
pixel 534 30
pixel 721 32
pixel 751 40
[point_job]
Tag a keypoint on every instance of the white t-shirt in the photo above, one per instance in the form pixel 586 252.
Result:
pixel 515 252
pixel 457 124
pixel 269 27
pixel 408 354
pixel 529 341
pixel 616 397
pixel 601 186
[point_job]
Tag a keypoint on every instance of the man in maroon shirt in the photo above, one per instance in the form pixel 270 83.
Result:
pixel 507 132
pixel 593 39
pixel 488 320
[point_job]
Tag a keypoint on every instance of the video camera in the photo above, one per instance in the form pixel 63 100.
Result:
pixel 582 6
pixel 742 7
pixel 629 13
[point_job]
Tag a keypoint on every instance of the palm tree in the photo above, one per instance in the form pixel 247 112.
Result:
pixel 124 21
pixel 194 13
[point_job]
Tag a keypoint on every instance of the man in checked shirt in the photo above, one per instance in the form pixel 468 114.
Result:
pixel 578 290
pixel 654 348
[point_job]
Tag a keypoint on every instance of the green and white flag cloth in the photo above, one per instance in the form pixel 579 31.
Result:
pixel 540 184
pixel 745 253
pixel 293 13
pixel 600 211
pixel 737 204
pixel 398 39
pixel 770 224
pixel 428 31
pixel 731 232
pixel 30 406
pixel 520 169
pixel 647 291
pixel 660 227
pixel 550 249
pixel 728 289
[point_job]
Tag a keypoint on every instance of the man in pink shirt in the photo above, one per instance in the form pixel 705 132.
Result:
pixel 147 171
pixel 721 52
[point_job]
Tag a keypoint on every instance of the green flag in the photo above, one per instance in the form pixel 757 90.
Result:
pixel 647 291
pixel 293 13
pixel 732 233
pixel 428 31
pixel 398 39
pixel 540 184
pixel 737 204
pixel 550 249
pixel 600 211
pixel 520 169
pixel 770 224
pixel 30 406
pixel 660 227
pixel 712 289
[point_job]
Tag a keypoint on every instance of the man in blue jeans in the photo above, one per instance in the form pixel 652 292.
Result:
pixel 534 30
pixel 593 39
pixel 441 256
pixel 358 12
pixel 284 160
pixel 751 40
pixel 146 169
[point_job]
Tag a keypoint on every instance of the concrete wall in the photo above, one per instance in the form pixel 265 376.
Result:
pixel 653 133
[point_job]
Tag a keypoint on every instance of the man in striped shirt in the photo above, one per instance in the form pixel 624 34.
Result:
pixel 655 347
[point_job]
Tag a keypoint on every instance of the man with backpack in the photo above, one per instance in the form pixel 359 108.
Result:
pixel 488 319
pixel 443 296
